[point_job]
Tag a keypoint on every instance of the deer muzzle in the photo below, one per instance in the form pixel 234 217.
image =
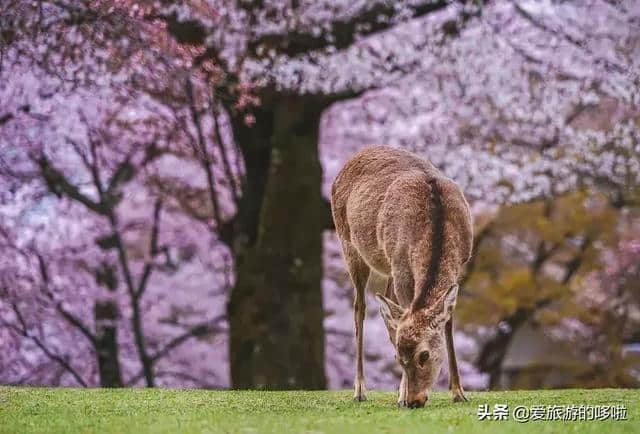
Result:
pixel 417 401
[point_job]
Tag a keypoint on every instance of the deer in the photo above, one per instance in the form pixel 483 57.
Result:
pixel 401 220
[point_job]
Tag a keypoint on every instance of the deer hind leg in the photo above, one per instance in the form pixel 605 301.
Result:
pixel 359 272
pixel 454 375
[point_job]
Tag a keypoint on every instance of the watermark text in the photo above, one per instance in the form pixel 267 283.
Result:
pixel 570 412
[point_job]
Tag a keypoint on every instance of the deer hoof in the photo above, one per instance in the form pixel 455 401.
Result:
pixel 360 392
pixel 459 397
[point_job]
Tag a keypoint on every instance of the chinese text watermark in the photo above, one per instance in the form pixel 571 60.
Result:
pixel 571 412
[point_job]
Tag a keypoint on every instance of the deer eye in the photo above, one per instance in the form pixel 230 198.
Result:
pixel 424 356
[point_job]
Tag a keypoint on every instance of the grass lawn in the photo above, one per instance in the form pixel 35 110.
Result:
pixel 39 410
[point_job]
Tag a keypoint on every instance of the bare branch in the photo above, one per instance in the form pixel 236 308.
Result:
pixel 373 18
pixel 68 316
pixel 567 37
pixel 23 330
pixel 235 189
pixel 59 185
pixel 573 265
pixel 200 149
pixel 201 329
pixel 153 249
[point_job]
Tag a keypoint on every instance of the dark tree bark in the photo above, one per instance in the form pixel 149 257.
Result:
pixel 493 352
pixel 275 310
pixel 106 345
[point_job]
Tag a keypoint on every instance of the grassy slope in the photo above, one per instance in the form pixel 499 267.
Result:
pixel 24 410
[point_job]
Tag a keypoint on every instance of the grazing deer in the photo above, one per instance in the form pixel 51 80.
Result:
pixel 400 218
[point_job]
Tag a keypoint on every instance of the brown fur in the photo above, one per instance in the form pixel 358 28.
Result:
pixel 399 217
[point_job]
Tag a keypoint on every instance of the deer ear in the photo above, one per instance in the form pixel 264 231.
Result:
pixel 449 302
pixel 391 313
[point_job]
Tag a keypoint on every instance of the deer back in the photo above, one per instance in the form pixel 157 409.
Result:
pixel 401 213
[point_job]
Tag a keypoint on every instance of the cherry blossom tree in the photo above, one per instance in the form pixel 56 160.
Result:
pixel 257 104
pixel 275 50
pixel 98 243
pixel 93 233
pixel 526 104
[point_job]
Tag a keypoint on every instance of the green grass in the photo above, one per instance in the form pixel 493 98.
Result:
pixel 38 410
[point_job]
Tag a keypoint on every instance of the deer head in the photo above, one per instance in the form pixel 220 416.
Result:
pixel 417 334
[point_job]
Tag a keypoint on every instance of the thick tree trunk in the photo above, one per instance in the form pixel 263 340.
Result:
pixel 106 317
pixel 275 310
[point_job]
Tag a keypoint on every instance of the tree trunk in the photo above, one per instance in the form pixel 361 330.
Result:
pixel 494 351
pixel 275 310
pixel 106 317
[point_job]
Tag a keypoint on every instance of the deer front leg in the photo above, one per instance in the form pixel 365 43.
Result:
pixel 402 391
pixel 359 312
pixel 454 375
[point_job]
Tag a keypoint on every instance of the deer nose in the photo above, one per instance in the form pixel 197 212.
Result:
pixel 416 404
